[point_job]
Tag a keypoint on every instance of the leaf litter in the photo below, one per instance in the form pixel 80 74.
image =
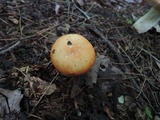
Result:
pixel 127 63
pixel 10 101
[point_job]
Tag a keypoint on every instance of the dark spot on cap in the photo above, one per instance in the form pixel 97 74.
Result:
pixel 69 43
pixel 53 51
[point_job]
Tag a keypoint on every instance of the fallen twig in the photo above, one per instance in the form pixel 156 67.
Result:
pixel 45 91
pixel 84 13
pixel 9 47
pixel 110 45
pixel 156 59
pixel 141 95
pixel 119 57
pixel 23 38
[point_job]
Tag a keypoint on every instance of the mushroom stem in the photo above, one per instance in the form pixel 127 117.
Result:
pixel 155 4
pixel 149 20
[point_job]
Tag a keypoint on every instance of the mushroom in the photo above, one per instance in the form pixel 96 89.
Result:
pixel 72 54
pixel 150 19
pixel 155 4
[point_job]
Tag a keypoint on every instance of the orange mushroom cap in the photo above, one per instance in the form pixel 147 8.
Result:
pixel 72 54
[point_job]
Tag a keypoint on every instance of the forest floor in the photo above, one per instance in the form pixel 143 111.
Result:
pixel 126 86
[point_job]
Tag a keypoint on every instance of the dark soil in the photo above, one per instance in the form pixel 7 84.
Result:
pixel 29 28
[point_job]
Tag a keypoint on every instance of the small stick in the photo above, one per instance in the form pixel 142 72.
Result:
pixel 84 13
pixel 156 59
pixel 9 48
pixel 24 38
pixel 111 46
pixel 45 91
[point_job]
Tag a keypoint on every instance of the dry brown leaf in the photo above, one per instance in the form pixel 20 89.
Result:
pixel 140 115
pixel 57 7
pixel 107 70
pixel 22 1
pixel 104 68
pixel 13 100
pixel 109 113
pixel 75 91
pixel 13 20
pixel 91 76
pixel 39 87
pixel 80 2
